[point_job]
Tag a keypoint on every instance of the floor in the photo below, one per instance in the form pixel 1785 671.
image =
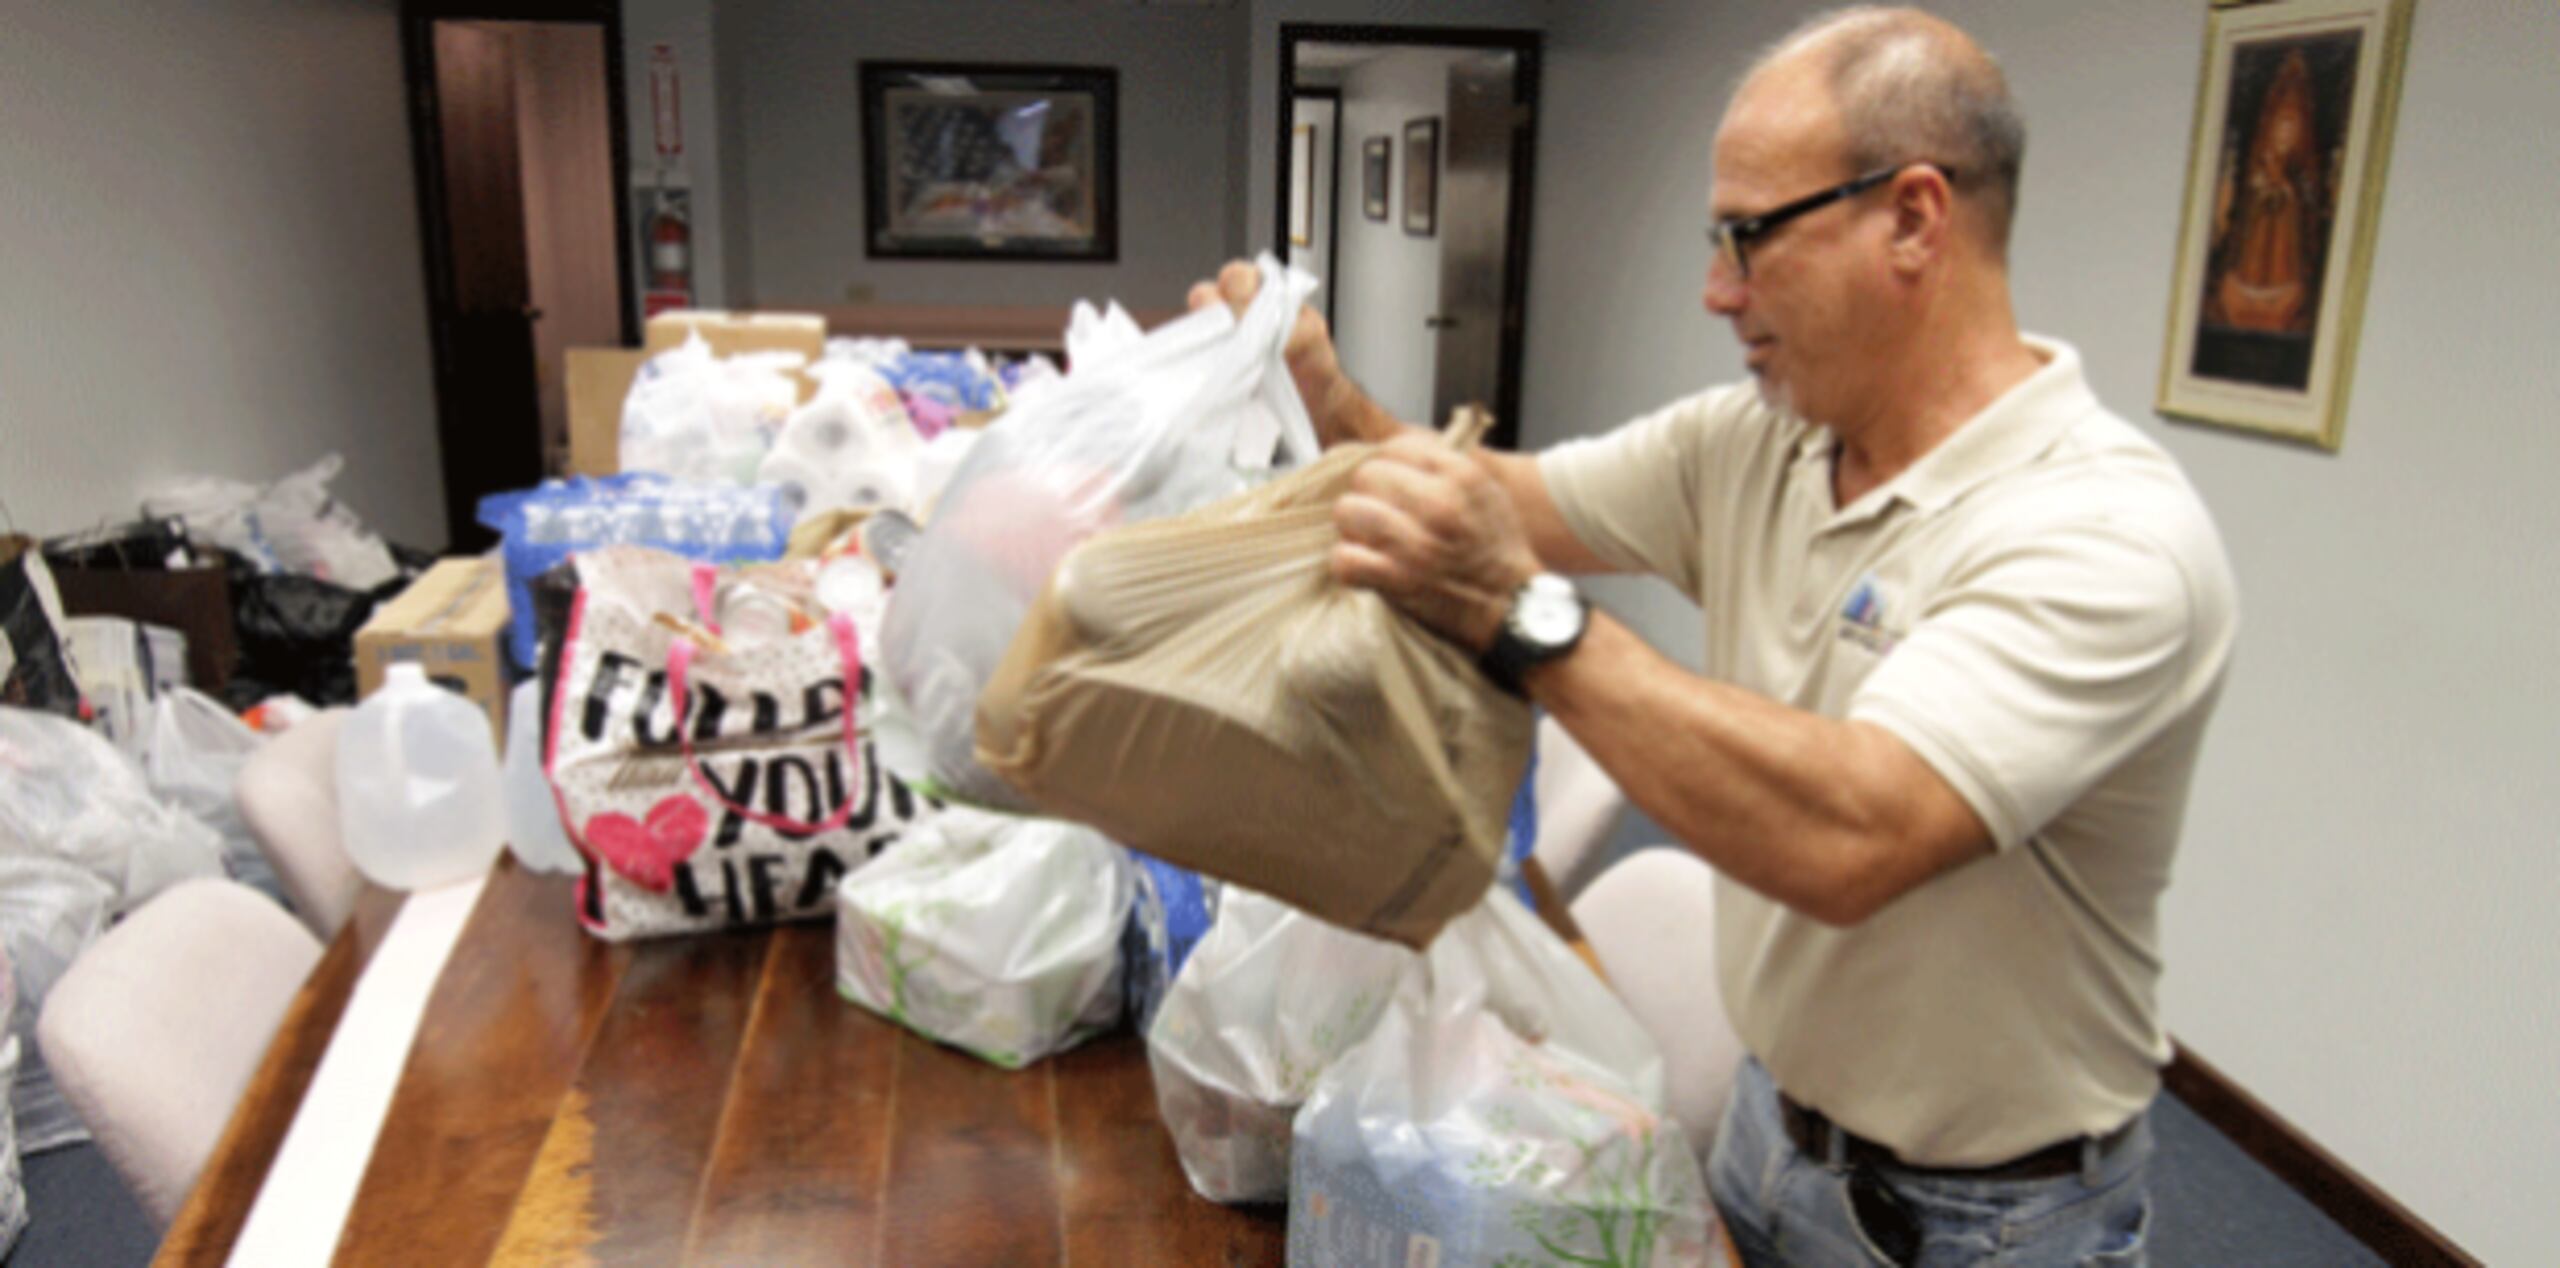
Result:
pixel 2212 1205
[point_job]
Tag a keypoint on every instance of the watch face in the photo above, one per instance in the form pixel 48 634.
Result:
pixel 1548 616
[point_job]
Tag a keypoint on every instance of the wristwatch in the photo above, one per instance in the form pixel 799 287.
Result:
pixel 1546 620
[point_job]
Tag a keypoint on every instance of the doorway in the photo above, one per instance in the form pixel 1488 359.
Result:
pixel 517 130
pixel 1421 230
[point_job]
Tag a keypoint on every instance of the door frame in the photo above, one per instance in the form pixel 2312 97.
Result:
pixel 1525 44
pixel 1333 182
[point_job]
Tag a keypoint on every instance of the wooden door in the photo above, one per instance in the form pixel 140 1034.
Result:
pixel 565 130
pixel 1484 118
pixel 488 411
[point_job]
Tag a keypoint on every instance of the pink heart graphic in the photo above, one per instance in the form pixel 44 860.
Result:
pixel 647 852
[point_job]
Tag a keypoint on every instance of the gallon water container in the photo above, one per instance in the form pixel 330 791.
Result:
pixel 533 817
pixel 418 794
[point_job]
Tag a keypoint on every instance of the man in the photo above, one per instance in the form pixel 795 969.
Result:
pixel 1964 629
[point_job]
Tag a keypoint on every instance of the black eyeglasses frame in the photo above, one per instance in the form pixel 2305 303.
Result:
pixel 1732 237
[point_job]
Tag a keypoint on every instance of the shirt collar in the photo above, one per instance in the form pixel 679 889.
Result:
pixel 2022 424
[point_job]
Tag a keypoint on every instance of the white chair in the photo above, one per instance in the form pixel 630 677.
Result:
pixel 1578 808
pixel 155 1030
pixel 288 795
pixel 1651 920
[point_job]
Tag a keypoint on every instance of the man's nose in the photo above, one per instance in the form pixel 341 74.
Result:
pixel 1726 291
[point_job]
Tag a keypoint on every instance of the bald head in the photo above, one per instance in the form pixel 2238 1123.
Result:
pixel 1908 88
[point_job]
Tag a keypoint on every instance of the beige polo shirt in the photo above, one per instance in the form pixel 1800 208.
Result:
pixel 2041 609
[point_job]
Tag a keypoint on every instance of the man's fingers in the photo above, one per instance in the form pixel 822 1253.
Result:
pixel 1359 566
pixel 1381 526
pixel 1239 282
pixel 1202 295
pixel 1420 492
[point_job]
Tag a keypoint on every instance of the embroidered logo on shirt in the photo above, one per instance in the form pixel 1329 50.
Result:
pixel 1862 618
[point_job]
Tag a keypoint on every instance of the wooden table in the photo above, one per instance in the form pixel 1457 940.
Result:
pixel 713 1100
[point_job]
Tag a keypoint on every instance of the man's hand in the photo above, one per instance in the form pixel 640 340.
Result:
pixel 1436 534
pixel 1336 405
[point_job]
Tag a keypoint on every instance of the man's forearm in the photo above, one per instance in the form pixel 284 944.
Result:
pixel 1345 413
pixel 1822 815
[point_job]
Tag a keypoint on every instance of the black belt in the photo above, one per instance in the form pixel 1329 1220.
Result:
pixel 1813 1134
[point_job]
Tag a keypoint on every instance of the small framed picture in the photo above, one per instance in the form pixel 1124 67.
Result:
pixel 1374 166
pixel 989 162
pixel 1422 177
pixel 2284 190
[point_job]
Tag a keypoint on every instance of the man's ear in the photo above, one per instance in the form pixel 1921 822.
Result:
pixel 1924 210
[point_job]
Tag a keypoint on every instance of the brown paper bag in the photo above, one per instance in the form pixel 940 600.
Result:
pixel 1202 689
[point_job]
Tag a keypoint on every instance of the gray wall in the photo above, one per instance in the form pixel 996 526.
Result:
pixel 212 257
pixel 2359 927
pixel 1390 281
pixel 795 140
pixel 687 26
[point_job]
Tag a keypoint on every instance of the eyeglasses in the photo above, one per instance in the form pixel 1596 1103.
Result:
pixel 1733 237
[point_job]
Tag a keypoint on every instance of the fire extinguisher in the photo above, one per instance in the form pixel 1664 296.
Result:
pixel 670 249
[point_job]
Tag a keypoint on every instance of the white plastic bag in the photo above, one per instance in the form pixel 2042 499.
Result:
pixel 218 512
pixel 1269 999
pixel 1154 428
pixel 698 416
pixel 50 911
pixel 13 1183
pixel 940 461
pixel 192 752
pixel 66 793
pixel 1506 1109
pixel 996 935
pixel 292 525
pixel 314 534
pixel 851 445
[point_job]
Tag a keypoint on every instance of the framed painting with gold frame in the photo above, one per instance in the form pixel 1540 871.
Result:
pixel 2284 193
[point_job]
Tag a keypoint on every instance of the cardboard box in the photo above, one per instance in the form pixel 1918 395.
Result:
pixel 453 621
pixel 599 380
pixel 730 333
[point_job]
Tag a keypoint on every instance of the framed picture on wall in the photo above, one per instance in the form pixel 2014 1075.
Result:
pixel 2284 189
pixel 1374 166
pixel 1302 185
pixel 989 162
pixel 1422 177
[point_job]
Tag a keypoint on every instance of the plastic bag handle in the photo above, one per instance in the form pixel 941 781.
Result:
pixel 1467 426
pixel 849 650
pixel 1273 313
pixel 706 602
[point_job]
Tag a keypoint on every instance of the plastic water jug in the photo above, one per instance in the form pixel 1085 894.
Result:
pixel 418 785
pixel 533 817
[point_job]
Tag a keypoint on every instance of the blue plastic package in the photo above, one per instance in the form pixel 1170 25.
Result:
pixel 1522 836
pixel 546 524
pixel 1171 915
pixel 959 380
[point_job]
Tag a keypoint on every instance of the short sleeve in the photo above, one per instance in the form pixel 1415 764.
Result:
pixel 2041 665
pixel 1631 495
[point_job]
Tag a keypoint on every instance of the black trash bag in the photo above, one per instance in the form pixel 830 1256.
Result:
pixel 39 674
pixel 297 636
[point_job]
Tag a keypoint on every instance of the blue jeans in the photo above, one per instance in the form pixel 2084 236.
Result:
pixel 1787 1209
